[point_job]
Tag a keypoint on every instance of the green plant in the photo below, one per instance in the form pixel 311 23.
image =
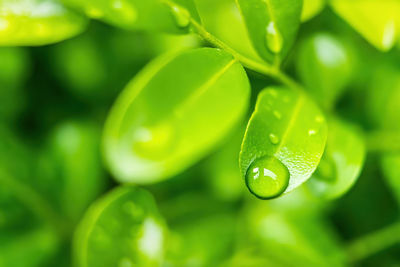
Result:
pixel 185 114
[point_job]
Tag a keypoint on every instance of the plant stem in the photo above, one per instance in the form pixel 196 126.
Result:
pixel 251 64
pixel 383 141
pixel 374 242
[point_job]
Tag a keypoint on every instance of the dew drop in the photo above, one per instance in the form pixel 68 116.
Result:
pixel 277 114
pixel 273 138
pixel 267 177
pixel 273 38
pixel 181 15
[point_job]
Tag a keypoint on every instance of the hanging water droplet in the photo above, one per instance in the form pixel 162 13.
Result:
pixel 267 177
pixel 312 132
pixel 273 138
pixel 277 114
pixel 125 262
pixel 181 15
pixel 273 38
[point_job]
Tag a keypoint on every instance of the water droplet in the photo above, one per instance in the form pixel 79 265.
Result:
pixel 181 15
pixel 277 114
pixel 273 38
pixel 273 138
pixel 312 132
pixel 267 177
pixel 125 262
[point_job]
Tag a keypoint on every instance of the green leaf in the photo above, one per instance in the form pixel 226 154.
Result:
pixel 390 166
pixel 377 21
pixel 123 228
pixel 37 22
pixel 283 144
pixel 341 162
pixel 161 123
pixel 71 161
pixel 311 8
pixel 153 15
pixel 325 67
pixel 213 12
pixel 272 25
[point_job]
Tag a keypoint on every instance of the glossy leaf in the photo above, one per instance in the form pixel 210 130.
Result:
pixel 341 162
pixel 324 65
pixel 37 22
pixel 123 228
pixel 153 15
pixel 161 123
pixel 377 21
pixel 272 25
pixel 283 144
pixel 311 8
pixel 213 12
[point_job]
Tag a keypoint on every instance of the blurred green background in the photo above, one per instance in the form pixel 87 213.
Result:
pixel 54 100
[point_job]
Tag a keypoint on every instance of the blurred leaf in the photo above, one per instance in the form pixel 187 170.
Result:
pixel 201 242
pixel 377 21
pixel 123 228
pixel 283 144
pixel 390 166
pixel 341 162
pixel 154 15
pixel 325 67
pixel 311 8
pixel 30 249
pixel 72 161
pixel 298 239
pixel 272 25
pixel 14 68
pixel 383 103
pixel 222 169
pixel 160 124
pixel 37 22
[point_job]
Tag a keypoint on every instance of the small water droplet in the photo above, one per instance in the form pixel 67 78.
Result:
pixel 277 114
pixel 273 138
pixel 273 38
pixel 125 262
pixel 181 15
pixel 267 177
pixel 312 132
